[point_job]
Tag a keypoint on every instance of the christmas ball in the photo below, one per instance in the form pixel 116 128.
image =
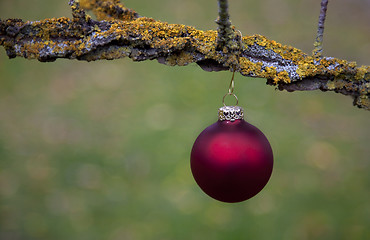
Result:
pixel 231 160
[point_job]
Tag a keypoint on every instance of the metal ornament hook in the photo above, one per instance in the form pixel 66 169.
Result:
pixel 230 94
pixel 231 91
pixel 232 84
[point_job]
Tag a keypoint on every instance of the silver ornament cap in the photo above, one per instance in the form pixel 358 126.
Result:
pixel 230 113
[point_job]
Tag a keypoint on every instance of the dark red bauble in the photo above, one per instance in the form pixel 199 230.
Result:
pixel 231 161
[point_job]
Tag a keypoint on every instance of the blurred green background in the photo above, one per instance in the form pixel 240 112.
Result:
pixel 101 150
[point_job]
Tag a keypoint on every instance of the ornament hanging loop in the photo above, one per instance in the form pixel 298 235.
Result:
pixel 230 94
pixel 231 91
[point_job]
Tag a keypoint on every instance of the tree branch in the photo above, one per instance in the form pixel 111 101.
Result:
pixel 109 10
pixel 317 52
pixel 125 34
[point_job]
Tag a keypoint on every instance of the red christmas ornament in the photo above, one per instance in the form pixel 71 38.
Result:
pixel 231 160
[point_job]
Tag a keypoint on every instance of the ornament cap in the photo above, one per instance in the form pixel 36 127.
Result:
pixel 230 113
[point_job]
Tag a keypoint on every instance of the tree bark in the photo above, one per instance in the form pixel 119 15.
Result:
pixel 121 32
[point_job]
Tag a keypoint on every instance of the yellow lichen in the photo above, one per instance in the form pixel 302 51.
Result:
pixel 249 68
pixel 330 85
pixel 306 69
pixel 363 101
pixel 270 73
pixel 181 44
pixel 181 59
pixel 361 71
pixel 107 9
pixel 287 52
pixel 282 76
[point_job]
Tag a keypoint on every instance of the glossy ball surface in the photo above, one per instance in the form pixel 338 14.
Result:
pixel 231 161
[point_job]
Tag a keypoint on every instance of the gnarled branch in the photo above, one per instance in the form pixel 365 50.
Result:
pixel 124 33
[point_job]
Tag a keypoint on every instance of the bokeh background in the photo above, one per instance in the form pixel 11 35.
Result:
pixel 100 150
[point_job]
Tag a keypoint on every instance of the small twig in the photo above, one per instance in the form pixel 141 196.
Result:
pixel 77 12
pixel 317 52
pixel 223 19
pixel 226 33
